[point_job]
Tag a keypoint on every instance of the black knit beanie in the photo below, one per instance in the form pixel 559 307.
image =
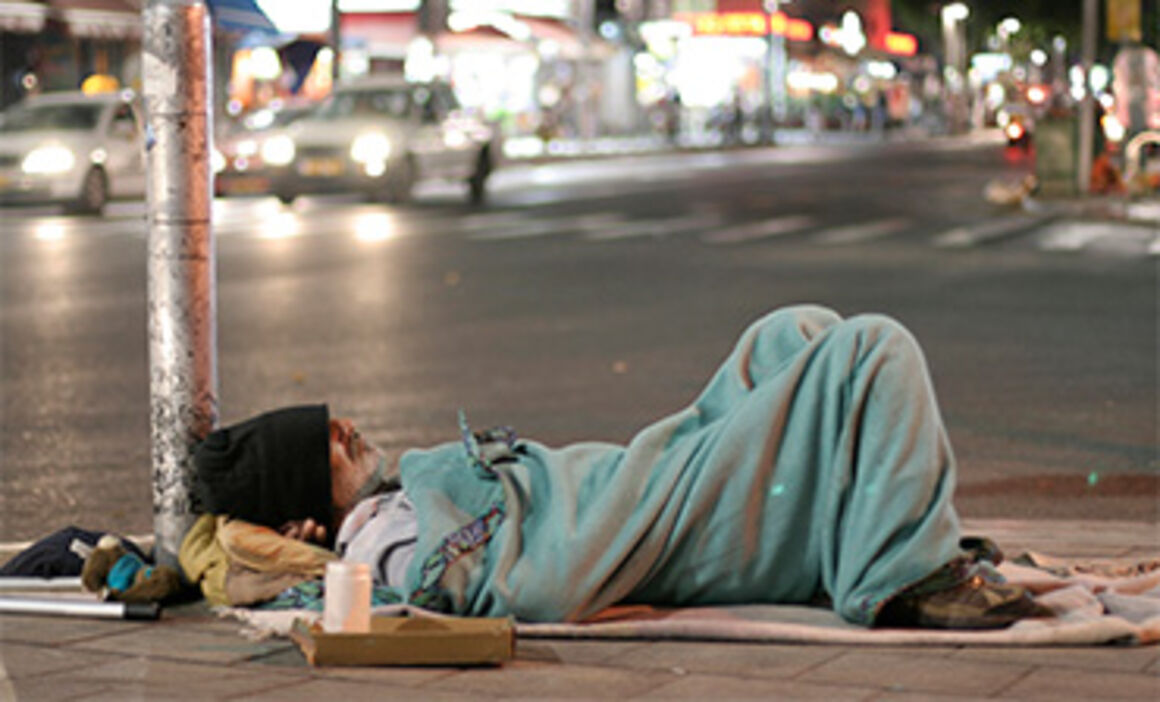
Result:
pixel 269 469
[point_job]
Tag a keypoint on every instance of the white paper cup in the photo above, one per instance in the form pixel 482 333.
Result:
pixel 347 606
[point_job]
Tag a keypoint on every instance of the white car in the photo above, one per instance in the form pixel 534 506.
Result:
pixel 379 136
pixel 73 149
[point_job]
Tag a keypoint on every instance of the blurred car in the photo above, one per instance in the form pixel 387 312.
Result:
pixel 72 148
pixel 237 154
pixel 380 136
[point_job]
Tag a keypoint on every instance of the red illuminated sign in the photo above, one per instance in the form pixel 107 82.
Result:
pixel 748 24
pixel 901 44
pixel 799 30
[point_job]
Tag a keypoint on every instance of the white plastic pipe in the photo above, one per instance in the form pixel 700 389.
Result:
pixel 79 608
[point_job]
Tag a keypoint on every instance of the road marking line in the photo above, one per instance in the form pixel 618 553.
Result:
pixel 559 225
pixel 655 227
pixel 962 237
pixel 594 224
pixel 496 220
pixel 751 231
pixel 857 233
pixel 1072 236
pixel 1124 238
pixel 523 231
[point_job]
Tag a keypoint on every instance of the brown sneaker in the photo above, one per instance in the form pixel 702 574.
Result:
pixel 973 603
pixel 981 548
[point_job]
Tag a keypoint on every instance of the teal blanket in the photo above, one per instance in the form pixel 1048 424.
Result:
pixel 813 466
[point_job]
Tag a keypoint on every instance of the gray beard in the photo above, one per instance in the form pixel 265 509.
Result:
pixel 374 482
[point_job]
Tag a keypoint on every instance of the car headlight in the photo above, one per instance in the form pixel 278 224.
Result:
pixel 278 150
pixel 372 147
pixel 217 161
pixel 48 159
pixel 247 147
pixel 1113 129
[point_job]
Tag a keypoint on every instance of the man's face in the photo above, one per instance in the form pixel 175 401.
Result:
pixel 352 462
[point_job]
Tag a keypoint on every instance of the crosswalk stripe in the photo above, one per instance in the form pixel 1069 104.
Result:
pixel 751 231
pixel 1072 236
pixel 655 227
pixel 1116 238
pixel 494 220
pixel 585 224
pixel 855 233
pixel 593 224
pixel 962 237
pixel 524 231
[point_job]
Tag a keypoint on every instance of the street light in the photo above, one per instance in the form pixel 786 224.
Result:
pixel 1009 26
pixel 955 12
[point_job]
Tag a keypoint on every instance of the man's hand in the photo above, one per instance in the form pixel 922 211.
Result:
pixel 304 530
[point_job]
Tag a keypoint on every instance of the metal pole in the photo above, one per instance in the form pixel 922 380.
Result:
pixel 586 115
pixel 182 329
pixel 335 42
pixel 1087 110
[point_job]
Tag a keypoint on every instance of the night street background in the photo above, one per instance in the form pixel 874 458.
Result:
pixel 589 298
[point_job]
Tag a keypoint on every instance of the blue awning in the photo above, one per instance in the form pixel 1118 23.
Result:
pixel 240 15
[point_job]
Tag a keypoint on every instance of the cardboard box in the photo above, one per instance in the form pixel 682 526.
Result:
pixel 410 641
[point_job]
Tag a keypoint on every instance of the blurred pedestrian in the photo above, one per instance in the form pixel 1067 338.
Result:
pixel 673 115
pixel 735 125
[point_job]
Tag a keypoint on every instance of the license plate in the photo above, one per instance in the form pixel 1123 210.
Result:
pixel 247 186
pixel 321 167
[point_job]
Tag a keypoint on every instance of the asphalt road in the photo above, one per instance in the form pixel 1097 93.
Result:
pixel 590 298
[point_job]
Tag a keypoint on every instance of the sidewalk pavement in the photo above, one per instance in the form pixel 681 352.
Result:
pixel 191 654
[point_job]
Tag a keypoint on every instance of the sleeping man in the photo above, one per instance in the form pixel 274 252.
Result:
pixel 813 468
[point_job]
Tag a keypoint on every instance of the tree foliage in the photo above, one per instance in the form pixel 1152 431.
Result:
pixel 1042 21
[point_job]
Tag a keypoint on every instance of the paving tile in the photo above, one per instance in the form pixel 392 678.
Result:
pixel 925 697
pixel 1067 538
pixel 178 642
pixel 392 675
pixel 580 652
pixel 216 624
pixel 1071 683
pixel 710 687
pixel 744 659
pixel 906 671
pixel 60 630
pixel 1154 669
pixel 46 689
pixel 347 691
pixel 145 678
pixel 1127 659
pixel 289 657
pixel 541 680
pixel 22 661
pixel 1143 552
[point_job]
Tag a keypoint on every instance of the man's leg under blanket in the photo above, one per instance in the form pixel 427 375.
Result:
pixel 821 464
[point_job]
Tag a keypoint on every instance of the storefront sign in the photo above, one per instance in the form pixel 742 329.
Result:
pixel 901 44
pixel 1123 20
pixel 748 24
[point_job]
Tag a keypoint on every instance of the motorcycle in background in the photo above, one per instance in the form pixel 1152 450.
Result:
pixel 1018 132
